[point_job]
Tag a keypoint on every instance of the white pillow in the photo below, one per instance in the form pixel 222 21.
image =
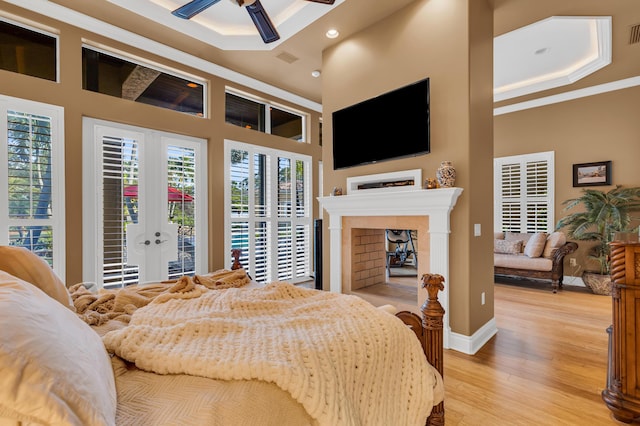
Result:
pixel 55 369
pixel 555 240
pixel 535 245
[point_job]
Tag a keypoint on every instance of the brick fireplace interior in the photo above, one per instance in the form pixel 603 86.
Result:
pixel 364 257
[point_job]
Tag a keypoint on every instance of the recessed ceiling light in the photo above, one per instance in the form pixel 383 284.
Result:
pixel 332 33
pixel 315 73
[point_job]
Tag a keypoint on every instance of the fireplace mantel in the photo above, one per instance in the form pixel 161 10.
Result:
pixel 436 204
pixel 428 202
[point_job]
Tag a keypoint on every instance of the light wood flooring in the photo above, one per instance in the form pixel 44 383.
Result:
pixel 546 365
pixel 400 290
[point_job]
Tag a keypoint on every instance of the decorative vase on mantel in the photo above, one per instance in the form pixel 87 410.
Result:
pixel 446 175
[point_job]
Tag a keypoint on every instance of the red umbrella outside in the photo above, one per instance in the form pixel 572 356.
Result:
pixel 174 195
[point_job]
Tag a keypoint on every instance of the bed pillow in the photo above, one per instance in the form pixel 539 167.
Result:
pixel 29 267
pixel 507 247
pixel 535 245
pixel 55 369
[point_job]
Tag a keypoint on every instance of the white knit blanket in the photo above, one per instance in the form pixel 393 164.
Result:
pixel 345 361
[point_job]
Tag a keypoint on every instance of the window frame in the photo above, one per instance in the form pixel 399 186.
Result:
pixel 524 199
pixel 42 29
pixel 57 219
pixel 272 216
pixel 118 54
pixel 267 108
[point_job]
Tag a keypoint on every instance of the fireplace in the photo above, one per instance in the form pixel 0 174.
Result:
pixel 364 255
pixel 427 211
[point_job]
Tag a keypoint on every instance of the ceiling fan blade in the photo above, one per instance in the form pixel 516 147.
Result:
pixel 192 8
pixel 323 1
pixel 262 22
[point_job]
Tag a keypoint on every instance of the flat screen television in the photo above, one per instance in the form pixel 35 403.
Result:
pixel 389 126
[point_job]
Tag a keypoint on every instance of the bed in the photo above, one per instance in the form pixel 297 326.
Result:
pixel 211 349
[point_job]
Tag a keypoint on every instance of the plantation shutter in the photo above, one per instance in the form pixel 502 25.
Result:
pixel 524 193
pixel 537 199
pixel 303 224
pixel 120 166
pixel 31 182
pixel 181 207
pixel 261 181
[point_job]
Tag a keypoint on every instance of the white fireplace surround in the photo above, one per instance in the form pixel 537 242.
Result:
pixel 434 203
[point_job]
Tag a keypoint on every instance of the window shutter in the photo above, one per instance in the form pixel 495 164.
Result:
pixel 537 200
pixel 119 172
pixel 32 179
pixel 273 248
pixel 524 193
pixel 181 170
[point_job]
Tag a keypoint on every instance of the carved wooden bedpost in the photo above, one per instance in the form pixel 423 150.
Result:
pixel 235 254
pixel 432 313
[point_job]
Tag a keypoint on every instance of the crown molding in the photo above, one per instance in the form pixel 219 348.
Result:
pixel 568 96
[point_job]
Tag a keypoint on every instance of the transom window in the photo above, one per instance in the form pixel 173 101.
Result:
pixel 244 111
pixel 123 78
pixel 28 51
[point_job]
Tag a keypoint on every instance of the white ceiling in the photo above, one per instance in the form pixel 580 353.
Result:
pixel 550 53
pixel 228 26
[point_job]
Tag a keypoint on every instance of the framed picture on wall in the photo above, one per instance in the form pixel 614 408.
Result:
pixel 592 174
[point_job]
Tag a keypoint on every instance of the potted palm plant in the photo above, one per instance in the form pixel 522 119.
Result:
pixel 604 214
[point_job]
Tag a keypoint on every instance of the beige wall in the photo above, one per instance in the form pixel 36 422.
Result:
pixel 596 128
pixel 78 103
pixel 432 38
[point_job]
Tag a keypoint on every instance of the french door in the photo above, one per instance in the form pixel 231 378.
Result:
pixel 144 205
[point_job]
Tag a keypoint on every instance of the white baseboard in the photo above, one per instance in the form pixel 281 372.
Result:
pixel 472 344
pixel 571 280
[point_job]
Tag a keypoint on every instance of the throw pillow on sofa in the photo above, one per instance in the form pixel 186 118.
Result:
pixel 535 245
pixel 507 247
pixel 518 236
pixel 555 240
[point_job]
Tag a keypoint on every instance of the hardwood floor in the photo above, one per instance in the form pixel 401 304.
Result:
pixel 400 290
pixel 546 365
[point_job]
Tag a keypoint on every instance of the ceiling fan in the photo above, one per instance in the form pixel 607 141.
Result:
pixel 257 13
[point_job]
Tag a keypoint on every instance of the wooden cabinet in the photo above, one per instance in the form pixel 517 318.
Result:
pixel 622 394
